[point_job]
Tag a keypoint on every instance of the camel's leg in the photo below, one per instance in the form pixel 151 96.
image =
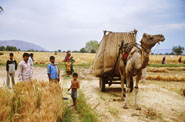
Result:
pixel 138 77
pixel 122 88
pixel 122 74
pixel 127 90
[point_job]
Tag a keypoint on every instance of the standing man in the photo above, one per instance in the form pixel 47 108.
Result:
pixel 11 66
pixel 53 71
pixel 24 70
pixel 31 62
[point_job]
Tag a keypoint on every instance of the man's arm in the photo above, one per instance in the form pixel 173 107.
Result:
pixel 20 72
pixel 78 85
pixel 49 76
pixel 7 67
pixel 15 65
pixel 58 74
pixel 49 72
pixel 70 86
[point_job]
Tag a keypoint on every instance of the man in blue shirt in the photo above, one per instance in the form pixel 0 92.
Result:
pixel 53 71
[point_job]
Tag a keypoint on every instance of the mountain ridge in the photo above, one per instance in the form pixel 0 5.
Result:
pixel 23 45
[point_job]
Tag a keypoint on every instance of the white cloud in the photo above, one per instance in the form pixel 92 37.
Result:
pixel 169 27
pixel 68 24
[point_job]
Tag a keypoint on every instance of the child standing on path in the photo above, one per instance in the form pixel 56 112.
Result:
pixel 74 86
pixel 53 71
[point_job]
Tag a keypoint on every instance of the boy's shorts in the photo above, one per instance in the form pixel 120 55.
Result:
pixel 74 94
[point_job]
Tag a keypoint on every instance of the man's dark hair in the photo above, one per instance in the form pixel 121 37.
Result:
pixel 52 57
pixel 11 54
pixel 75 74
pixel 68 51
pixel 31 54
pixel 25 55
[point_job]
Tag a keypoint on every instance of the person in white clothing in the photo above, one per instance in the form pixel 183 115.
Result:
pixel 24 69
pixel 31 62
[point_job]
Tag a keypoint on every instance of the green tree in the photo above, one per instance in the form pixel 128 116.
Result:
pixel 83 50
pixel 91 46
pixel 11 48
pixel 93 51
pixel 75 51
pixel 178 50
pixel 2 48
pixel 59 50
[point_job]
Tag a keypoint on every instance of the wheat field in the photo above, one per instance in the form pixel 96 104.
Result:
pixel 43 57
pixel 31 102
pixel 170 59
pixel 81 58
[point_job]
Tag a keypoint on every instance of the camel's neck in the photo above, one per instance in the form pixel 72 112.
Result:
pixel 145 57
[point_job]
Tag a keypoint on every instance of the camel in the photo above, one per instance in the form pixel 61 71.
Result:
pixel 137 60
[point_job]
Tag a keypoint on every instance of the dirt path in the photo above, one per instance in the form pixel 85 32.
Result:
pixel 157 103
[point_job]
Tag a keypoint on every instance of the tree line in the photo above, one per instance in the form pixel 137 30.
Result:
pixel 91 47
pixel 9 48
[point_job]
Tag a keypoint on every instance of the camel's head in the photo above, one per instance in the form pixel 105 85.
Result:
pixel 148 41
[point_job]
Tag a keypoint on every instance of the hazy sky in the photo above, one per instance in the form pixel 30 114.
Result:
pixel 69 24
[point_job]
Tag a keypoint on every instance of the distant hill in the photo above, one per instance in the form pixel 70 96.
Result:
pixel 21 45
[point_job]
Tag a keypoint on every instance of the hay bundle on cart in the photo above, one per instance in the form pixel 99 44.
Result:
pixel 107 53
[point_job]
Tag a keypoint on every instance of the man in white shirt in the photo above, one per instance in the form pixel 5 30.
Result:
pixel 31 62
pixel 24 69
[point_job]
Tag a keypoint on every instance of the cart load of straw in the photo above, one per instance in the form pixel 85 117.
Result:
pixel 107 52
pixel 31 102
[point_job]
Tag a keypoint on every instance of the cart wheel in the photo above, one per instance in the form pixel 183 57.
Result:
pixel 102 84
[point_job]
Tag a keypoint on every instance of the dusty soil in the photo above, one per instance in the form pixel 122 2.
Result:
pixel 158 100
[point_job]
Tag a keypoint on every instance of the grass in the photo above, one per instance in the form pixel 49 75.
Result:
pixel 85 112
pixel 68 114
pixel 166 65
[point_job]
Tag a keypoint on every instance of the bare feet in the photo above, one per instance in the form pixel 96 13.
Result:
pixel 137 107
pixel 122 98
pixel 125 107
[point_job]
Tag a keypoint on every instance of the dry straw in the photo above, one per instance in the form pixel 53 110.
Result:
pixel 31 102
pixel 166 77
pixel 153 69
pixel 43 57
